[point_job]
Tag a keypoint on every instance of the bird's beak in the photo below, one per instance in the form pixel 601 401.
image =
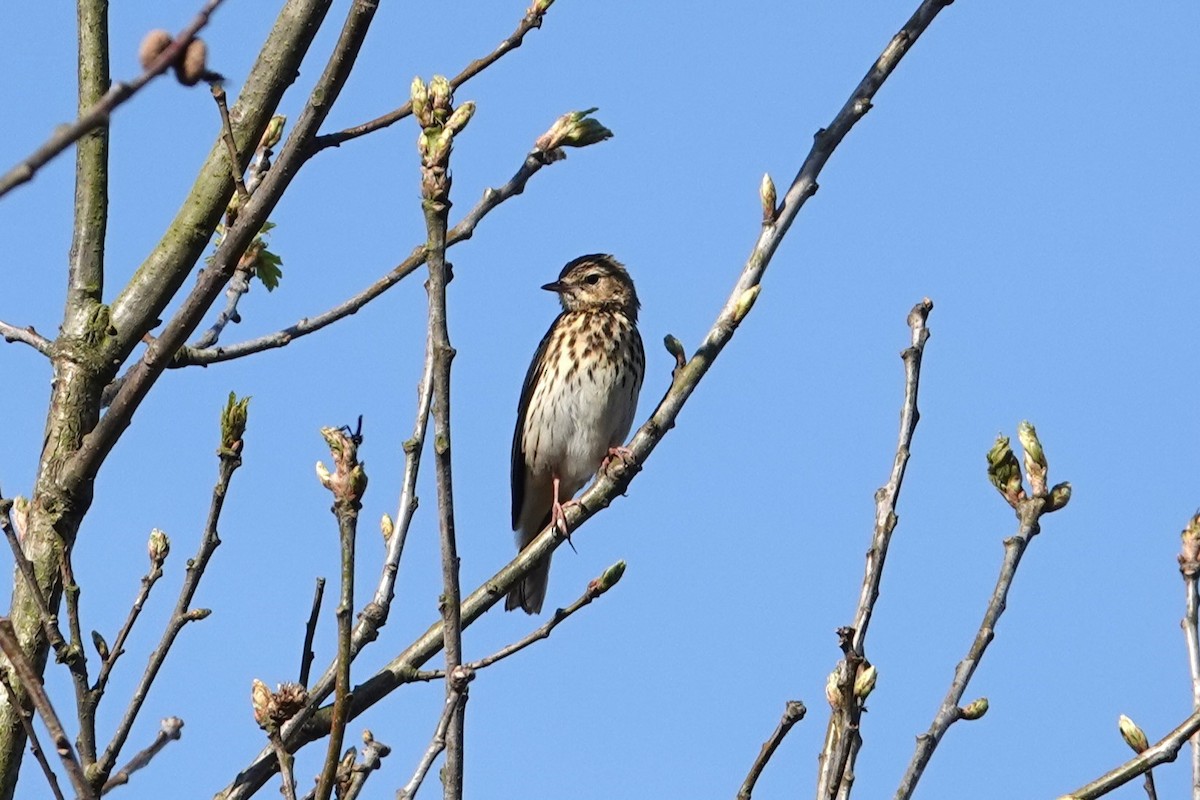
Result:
pixel 554 287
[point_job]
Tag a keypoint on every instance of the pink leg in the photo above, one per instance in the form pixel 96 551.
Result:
pixel 558 516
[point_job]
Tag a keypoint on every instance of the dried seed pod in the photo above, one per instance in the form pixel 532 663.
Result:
pixel 152 46
pixel 192 68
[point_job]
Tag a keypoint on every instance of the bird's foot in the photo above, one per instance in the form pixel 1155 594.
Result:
pixel 622 453
pixel 558 518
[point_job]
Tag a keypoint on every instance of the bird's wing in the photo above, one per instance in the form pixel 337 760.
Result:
pixel 518 452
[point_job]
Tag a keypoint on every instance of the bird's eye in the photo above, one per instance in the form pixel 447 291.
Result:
pixel 592 279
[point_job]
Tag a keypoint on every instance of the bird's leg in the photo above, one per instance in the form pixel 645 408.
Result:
pixel 558 517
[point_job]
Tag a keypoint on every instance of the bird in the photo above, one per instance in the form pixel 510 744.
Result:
pixel 577 404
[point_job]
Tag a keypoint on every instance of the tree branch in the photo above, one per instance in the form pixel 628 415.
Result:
pixel 793 712
pixel 310 632
pixel 26 335
pixel 233 425
pixel 1189 569
pixel 465 229
pixel 436 746
pixel 35 746
pixel 612 483
pixel 844 738
pixel 97 113
pixel 32 684
pixel 439 125
pixel 532 20
pixel 170 730
pixel 1163 752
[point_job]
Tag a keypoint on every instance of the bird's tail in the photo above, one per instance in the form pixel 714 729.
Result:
pixel 530 593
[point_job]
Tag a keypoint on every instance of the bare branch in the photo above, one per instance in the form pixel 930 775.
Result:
pixel 170 730
pixel 465 229
pixel 437 117
pixel 32 684
pixel 613 482
pixel 372 759
pixel 98 114
pixel 347 483
pixel 844 738
pixel 1162 752
pixel 235 166
pixel 26 335
pixel 436 746
pixel 310 632
pixel 1029 510
pixel 595 588
pixel 531 20
pixel 233 424
pixel 793 712
pixel 35 746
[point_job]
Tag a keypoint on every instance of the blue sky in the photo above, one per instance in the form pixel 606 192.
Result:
pixel 1030 167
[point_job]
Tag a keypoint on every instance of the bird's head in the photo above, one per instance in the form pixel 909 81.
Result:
pixel 594 282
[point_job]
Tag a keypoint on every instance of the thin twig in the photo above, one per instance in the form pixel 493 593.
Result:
pixel 35 746
pixel 230 460
pixel 310 632
pixel 613 482
pixel 347 484
pixel 235 168
pixel 464 230
pixel 436 746
pixel 169 731
pixel 1189 568
pixel 372 759
pixel 531 20
pixel 844 736
pixel 26 335
pixel 32 684
pixel 77 662
pixel 435 193
pixel 793 712
pixel 98 114
pixel 286 763
pixel 1162 752
pixel 1028 512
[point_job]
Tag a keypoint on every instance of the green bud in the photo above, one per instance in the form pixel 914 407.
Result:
pixel 324 475
pixel 675 348
pixel 387 526
pixel 419 93
pixel 101 645
pixel 610 577
pixel 864 684
pixel 461 116
pixel 1189 558
pixel 573 129
pixel 233 424
pixel 158 546
pixel 766 193
pixel 1035 458
pixel 1058 498
pixel 833 691
pixel 1134 736
pixel 974 710
pixel 1028 437
pixel 274 131
pixel 745 303
pixel 1004 471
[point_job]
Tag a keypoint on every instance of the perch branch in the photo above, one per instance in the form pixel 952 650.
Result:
pixel 793 712
pixel 612 483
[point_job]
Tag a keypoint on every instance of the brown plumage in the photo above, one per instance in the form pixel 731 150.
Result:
pixel 577 404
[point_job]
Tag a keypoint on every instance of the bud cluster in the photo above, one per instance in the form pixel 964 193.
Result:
pixel 433 106
pixel 348 480
pixel 272 709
